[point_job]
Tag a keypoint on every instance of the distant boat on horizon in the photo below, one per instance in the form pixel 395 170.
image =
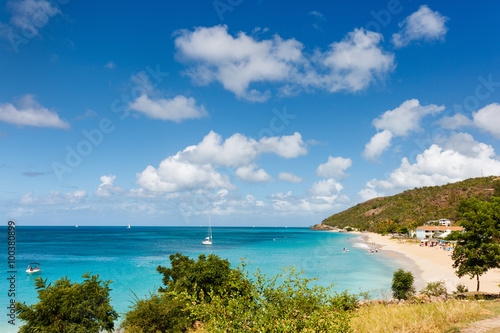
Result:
pixel 208 240
pixel 76 226
pixel 128 226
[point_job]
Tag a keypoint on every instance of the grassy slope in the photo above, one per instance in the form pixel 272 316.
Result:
pixel 415 206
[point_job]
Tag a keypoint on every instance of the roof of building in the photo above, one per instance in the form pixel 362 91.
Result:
pixel 440 228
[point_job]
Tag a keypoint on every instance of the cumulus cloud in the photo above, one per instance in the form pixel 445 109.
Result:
pixel 326 187
pixel 195 166
pixel 28 112
pixel 437 166
pixel 176 174
pixel 107 187
pixel 424 24
pixel 324 196
pixel 289 177
pixel 334 167
pixel 369 192
pixel 401 121
pixel 153 105
pixel 377 145
pixel 247 173
pixel 456 121
pixel 488 119
pixel 287 146
pixel 240 62
pixel 175 109
pixel 406 117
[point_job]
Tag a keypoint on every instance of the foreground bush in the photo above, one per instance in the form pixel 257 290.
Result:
pixel 157 313
pixel 291 306
pixel 402 284
pixel 69 307
pixel 436 288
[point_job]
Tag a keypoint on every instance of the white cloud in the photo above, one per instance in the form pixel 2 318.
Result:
pixel 463 143
pixel 289 177
pixel 286 146
pixel 29 113
pixel 175 109
pixel 176 174
pixel 324 196
pixel 334 167
pixel 406 117
pixel 456 121
pixel 424 24
pixel 107 187
pixel 247 173
pixel 437 166
pixel 239 150
pixel 488 119
pixel 195 166
pixel 326 187
pixel 28 16
pixel 241 62
pixel 369 192
pixel 401 121
pixel 377 145
pixel 356 61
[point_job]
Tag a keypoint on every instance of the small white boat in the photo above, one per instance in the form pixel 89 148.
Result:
pixel 76 226
pixel 128 226
pixel 208 240
pixel 33 268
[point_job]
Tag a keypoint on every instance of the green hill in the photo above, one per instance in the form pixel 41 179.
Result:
pixel 414 207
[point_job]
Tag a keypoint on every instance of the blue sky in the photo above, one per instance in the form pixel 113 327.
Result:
pixel 266 113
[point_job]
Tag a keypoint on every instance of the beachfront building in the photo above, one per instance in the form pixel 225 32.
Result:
pixel 441 222
pixel 428 232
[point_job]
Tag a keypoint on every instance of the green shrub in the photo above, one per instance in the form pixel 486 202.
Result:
pixel 461 289
pixel 292 306
pixel 402 284
pixel 158 312
pixel 436 288
pixel 69 307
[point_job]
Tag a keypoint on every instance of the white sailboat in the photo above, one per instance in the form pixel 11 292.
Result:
pixel 208 240
pixel 128 226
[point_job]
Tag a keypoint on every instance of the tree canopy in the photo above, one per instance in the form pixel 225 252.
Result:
pixel 478 248
pixel 206 273
pixel 69 307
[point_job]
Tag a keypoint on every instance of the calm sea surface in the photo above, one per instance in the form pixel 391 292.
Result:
pixel 129 257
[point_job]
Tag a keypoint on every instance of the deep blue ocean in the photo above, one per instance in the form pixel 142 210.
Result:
pixel 129 257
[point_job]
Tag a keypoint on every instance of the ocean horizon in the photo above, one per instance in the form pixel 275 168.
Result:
pixel 129 257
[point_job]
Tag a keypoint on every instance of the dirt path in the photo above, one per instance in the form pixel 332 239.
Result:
pixel 490 325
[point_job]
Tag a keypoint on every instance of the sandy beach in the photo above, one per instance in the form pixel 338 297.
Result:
pixel 432 264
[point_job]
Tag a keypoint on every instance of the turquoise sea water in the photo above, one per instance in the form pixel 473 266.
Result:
pixel 129 257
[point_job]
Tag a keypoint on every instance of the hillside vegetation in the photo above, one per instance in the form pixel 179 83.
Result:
pixel 414 207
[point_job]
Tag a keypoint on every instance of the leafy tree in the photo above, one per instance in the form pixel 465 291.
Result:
pixel 69 307
pixel 206 273
pixel 478 248
pixel 402 284
pixel 453 235
pixel 203 278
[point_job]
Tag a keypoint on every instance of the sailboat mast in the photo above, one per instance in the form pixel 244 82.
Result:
pixel 209 228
